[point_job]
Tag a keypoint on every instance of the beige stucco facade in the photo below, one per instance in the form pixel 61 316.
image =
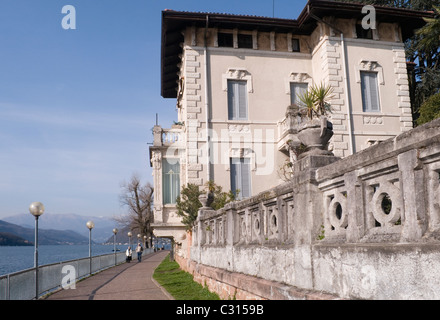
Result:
pixel 205 140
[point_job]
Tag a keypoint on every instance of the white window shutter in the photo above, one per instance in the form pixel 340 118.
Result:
pixel 370 92
pixel 240 170
pixel 237 100
pixel 297 89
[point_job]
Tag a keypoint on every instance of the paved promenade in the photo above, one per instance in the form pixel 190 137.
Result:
pixel 127 281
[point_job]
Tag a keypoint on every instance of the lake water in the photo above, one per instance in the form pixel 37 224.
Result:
pixel 19 258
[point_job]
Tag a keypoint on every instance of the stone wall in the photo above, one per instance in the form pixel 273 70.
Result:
pixel 363 227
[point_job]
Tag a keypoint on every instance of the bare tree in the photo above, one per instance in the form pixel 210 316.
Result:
pixel 138 199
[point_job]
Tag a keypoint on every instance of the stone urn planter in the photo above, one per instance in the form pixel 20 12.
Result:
pixel 315 135
pixel 206 200
pixel 316 131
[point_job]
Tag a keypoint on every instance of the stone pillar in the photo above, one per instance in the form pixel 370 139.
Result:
pixel 232 233
pixel 156 162
pixel 413 195
pixel 157 136
pixel 309 215
pixel 196 248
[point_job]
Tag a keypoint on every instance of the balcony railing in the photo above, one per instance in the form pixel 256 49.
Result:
pixel 288 127
pixel 168 137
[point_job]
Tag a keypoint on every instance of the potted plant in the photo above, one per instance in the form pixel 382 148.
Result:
pixel 316 131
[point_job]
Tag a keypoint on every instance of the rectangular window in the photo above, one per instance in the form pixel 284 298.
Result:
pixel 241 176
pixel 297 89
pixel 295 45
pixel 170 180
pixel 225 39
pixel 245 41
pixel 237 100
pixel 370 92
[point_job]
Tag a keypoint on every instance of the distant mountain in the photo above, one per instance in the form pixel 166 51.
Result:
pixel 44 236
pixel 101 232
pixel 9 239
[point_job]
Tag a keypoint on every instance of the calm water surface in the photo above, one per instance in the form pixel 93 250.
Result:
pixel 14 259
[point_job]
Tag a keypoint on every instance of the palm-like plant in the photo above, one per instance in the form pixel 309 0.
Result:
pixel 430 32
pixel 315 100
pixel 308 101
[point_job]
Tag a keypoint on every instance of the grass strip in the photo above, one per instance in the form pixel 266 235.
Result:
pixel 180 284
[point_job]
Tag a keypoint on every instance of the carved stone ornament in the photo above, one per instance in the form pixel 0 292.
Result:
pixel 238 128
pixel 156 160
pixel 368 65
pixel 237 73
pixel 299 77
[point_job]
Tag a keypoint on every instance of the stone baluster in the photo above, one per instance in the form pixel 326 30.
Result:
pixel 413 191
pixel 355 208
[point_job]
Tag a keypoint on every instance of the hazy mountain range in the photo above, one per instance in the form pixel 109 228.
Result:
pixel 62 225
pixel 13 234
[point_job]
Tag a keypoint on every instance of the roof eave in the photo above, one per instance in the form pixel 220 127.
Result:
pixel 173 23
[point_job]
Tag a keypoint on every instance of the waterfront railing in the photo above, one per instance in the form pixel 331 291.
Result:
pixel 20 285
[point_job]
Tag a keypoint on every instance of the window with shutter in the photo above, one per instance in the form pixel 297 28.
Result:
pixel 370 92
pixel 170 180
pixel 237 100
pixel 241 176
pixel 297 89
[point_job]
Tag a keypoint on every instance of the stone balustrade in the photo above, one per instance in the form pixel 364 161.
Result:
pixel 340 225
pixel 168 137
pixel 288 127
pixel 386 193
pixel 172 136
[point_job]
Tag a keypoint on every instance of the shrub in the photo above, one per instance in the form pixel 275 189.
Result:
pixel 188 203
pixel 430 109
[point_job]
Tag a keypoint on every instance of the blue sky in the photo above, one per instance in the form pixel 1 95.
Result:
pixel 77 106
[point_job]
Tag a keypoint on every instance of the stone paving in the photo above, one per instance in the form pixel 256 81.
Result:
pixel 127 281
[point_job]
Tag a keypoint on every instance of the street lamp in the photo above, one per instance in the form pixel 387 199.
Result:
pixel 139 238
pixel 129 234
pixel 145 242
pixel 36 209
pixel 115 231
pixel 90 225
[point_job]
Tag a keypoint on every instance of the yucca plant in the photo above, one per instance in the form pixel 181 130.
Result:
pixel 316 100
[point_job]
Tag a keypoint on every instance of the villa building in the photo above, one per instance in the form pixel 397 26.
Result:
pixel 234 77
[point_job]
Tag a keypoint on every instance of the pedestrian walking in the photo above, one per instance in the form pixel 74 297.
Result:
pixel 139 250
pixel 128 254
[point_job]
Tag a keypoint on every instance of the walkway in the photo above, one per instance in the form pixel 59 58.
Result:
pixel 127 281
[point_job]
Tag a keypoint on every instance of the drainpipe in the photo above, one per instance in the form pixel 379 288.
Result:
pixel 347 96
pixel 346 82
pixel 208 166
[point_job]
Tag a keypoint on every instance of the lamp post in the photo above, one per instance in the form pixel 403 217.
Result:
pixel 115 231
pixel 90 225
pixel 129 234
pixel 145 242
pixel 36 209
